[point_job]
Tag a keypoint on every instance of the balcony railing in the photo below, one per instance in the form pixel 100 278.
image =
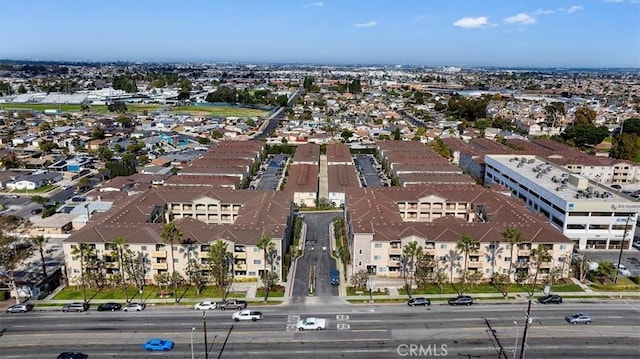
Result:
pixel 161 266
pixel 158 254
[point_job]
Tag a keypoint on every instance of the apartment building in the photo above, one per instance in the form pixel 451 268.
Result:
pixel 240 218
pixel 592 215
pixel 381 222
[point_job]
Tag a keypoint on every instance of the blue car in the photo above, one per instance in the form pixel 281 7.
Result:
pixel 158 345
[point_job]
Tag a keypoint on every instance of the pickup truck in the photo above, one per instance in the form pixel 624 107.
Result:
pixel 233 304
pixel 311 324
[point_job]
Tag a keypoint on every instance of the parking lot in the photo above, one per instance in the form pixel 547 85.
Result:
pixel 630 258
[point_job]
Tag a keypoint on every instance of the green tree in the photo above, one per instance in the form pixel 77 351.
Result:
pixel 451 261
pixel 539 255
pixel 411 251
pixel 170 235
pixel 584 116
pixel 40 242
pixel 513 236
pixel 122 257
pixel 466 245
pixel 554 111
pixel 83 252
pixel 268 249
pixel 218 262
pixel 626 146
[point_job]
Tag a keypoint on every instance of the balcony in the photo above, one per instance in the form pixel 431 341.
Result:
pixel 392 263
pixel 395 250
pixel 475 264
pixel 524 252
pixel 203 254
pixel 545 264
pixel 161 266
pixel 158 254
pixel 242 255
pixel 242 267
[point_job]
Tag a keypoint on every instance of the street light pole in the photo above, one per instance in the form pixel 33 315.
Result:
pixel 515 345
pixel 206 345
pixel 624 236
pixel 192 330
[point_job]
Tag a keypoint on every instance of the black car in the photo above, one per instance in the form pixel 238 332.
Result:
pixel 551 298
pixel 419 301
pixel 72 355
pixel 104 307
pixel 461 300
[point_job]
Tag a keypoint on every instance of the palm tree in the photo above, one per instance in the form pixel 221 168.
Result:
pixel 410 252
pixel 40 241
pixel 267 247
pixel 451 260
pixel 539 255
pixel 170 235
pixel 512 236
pixel 83 251
pixel 466 245
pixel 121 249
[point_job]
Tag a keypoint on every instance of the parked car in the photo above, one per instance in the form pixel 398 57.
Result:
pixel 158 345
pixel 76 307
pixel 72 355
pixel 578 318
pixel 36 211
pixel 206 305
pixel 622 270
pixel 134 307
pixel 104 307
pixel 246 314
pixel 233 304
pixel 20 308
pixel 461 300
pixel 551 298
pixel 419 301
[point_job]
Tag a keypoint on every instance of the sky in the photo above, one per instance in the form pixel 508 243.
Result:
pixel 464 33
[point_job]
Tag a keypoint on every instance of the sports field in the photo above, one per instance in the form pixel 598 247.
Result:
pixel 222 111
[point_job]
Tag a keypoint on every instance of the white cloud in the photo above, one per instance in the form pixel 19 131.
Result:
pixel 571 10
pixel 366 24
pixel 314 4
pixel 472 22
pixel 618 1
pixel 543 12
pixel 522 19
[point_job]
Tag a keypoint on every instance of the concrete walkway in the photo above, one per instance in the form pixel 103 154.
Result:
pixel 584 287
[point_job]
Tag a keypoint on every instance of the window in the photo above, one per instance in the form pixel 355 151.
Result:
pixel 257 261
pixel 507 259
pixel 376 258
pixel 563 247
pixel 76 270
pixel 175 248
pixel 252 273
pixel 488 270
pixel 175 260
pixel 74 258
pixel 443 246
pixel 382 269
pixel 143 248
pixel 378 245
pixel 256 250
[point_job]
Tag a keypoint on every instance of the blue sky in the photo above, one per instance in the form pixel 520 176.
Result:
pixel 513 33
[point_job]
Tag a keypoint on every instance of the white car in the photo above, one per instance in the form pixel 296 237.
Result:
pixel 206 305
pixel 622 269
pixel 311 324
pixel 134 307
pixel 247 314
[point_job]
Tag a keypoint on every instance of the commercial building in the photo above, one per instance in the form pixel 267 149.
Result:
pixel 592 215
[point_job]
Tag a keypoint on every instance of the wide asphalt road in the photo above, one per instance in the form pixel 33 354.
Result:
pixel 317 253
pixel 353 331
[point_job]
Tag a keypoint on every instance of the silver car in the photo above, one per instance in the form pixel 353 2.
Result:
pixel 20 308
pixel 134 307
pixel 578 318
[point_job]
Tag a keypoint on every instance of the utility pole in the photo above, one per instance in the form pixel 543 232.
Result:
pixel 206 345
pixel 524 334
pixel 624 236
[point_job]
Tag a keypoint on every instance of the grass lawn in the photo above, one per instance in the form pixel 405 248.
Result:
pixel 222 111
pixel 488 288
pixel 277 291
pixel 353 291
pixel 149 292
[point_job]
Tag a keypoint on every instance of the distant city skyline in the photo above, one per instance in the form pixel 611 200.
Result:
pixel 465 33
